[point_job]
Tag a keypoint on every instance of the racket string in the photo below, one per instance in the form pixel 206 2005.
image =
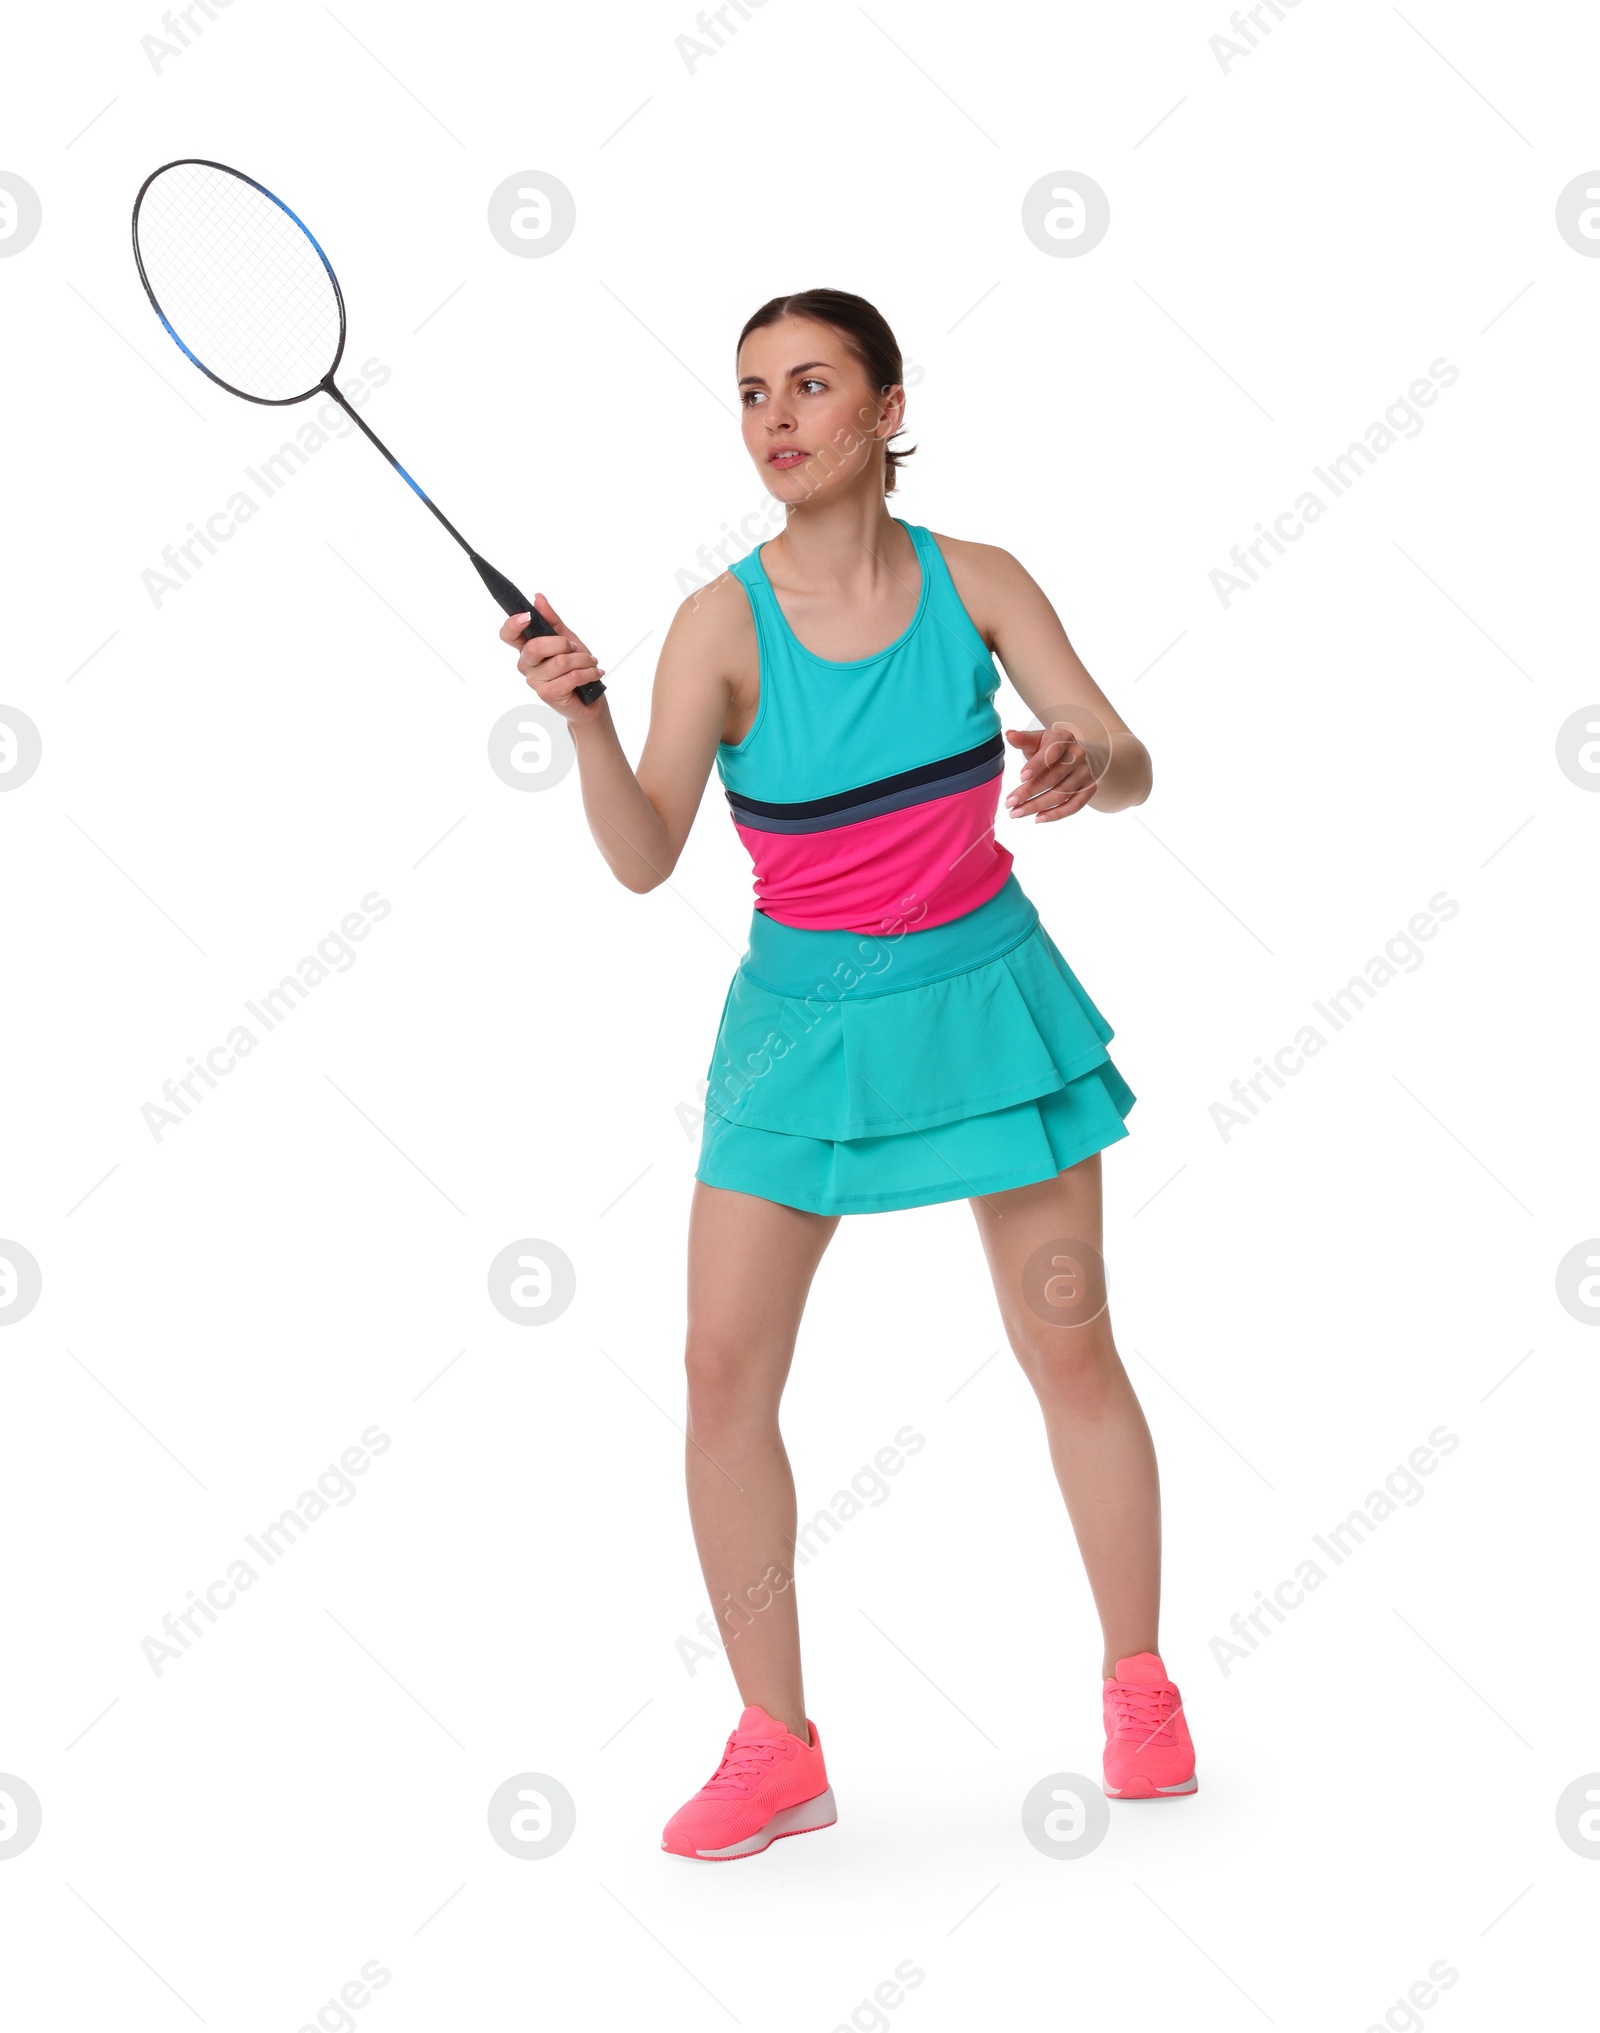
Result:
pixel 241 283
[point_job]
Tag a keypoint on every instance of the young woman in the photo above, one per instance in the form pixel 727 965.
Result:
pixel 902 1028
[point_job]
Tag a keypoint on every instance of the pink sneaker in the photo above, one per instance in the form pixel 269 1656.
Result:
pixel 768 1784
pixel 1148 1752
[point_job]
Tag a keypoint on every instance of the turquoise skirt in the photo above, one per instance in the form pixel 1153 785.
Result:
pixel 855 1073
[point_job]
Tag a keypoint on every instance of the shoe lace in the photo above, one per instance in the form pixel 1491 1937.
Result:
pixel 745 1760
pixel 1145 1712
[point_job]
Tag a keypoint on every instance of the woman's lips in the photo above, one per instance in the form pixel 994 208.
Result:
pixel 787 458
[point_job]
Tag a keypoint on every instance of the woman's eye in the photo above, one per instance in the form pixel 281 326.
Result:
pixel 751 396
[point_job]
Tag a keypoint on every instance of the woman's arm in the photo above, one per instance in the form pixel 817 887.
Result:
pixel 641 819
pixel 1095 755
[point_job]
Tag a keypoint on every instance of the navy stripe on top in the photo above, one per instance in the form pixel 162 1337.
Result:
pixel 939 779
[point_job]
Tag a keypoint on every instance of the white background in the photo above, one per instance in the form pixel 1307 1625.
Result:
pixel 517 1051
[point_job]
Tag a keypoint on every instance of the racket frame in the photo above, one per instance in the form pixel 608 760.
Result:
pixel 511 600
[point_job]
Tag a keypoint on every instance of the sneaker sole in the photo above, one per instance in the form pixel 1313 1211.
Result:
pixel 1142 1789
pixel 818 1812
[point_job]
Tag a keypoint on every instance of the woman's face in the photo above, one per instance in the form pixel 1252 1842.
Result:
pixel 811 420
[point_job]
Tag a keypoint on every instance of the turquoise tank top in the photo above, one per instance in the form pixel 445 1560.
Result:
pixel 867 788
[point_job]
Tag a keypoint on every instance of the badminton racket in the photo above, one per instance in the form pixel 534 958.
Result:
pixel 246 292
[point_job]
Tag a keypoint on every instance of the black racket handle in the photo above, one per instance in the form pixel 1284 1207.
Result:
pixel 537 625
pixel 513 602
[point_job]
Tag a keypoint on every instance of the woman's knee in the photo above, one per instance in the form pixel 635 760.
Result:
pixel 727 1384
pixel 1077 1368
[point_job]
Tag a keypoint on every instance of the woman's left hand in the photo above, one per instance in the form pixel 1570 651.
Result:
pixel 1061 773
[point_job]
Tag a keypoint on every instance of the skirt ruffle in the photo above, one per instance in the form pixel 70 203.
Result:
pixel 867 1098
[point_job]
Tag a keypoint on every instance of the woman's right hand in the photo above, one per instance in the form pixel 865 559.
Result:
pixel 554 665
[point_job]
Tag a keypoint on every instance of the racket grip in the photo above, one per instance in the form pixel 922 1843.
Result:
pixel 513 602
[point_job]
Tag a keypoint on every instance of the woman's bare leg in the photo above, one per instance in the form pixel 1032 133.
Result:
pixel 751 1263
pixel 1051 1292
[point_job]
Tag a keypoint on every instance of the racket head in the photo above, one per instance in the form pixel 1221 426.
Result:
pixel 239 281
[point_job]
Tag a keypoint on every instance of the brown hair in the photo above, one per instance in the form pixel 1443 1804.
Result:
pixel 864 330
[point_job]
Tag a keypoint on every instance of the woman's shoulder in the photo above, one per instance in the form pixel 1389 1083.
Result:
pixel 985 578
pixel 716 616
pixel 975 557
pixel 712 643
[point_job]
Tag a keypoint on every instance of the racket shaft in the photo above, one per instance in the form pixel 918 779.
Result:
pixel 510 599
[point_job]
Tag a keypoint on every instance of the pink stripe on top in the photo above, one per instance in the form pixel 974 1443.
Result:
pixel 919 866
